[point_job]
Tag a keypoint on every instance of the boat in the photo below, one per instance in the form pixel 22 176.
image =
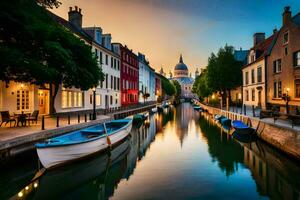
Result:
pixel 78 144
pixel 241 127
pixel 244 138
pixel 140 117
pixel 95 170
pixel 198 108
pixel 217 117
pixel 154 110
pixel 225 122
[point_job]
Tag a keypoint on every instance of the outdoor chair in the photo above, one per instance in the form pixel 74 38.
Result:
pixel 33 117
pixel 5 117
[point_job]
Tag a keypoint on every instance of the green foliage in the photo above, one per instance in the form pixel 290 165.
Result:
pixel 167 87
pixel 223 71
pixel 35 49
pixel 177 88
pixel 200 86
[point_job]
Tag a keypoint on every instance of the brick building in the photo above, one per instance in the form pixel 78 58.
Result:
pixel 129 75
pixel 283 64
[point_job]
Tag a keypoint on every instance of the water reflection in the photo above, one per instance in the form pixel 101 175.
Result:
pixel 180 150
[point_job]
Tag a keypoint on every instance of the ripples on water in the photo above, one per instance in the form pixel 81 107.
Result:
pixel 181 154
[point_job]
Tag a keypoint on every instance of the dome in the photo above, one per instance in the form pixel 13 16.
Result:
pixel 181 65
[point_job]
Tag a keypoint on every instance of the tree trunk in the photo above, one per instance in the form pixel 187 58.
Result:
pixel 52 97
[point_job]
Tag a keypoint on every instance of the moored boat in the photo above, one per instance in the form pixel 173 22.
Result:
pixel 81 143
pixel 225 122
pixel 154 110
pixel 241 127
pixel 198 108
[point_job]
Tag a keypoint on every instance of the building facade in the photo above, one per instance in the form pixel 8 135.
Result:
pixel 181 74
pixel 129 75
pixel 284 65
pixel 254 72
pixel 108 93
pixel 146 79
pixel 158 87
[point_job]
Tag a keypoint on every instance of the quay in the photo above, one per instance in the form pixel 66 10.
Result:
pixel 278 135
pixel 17 140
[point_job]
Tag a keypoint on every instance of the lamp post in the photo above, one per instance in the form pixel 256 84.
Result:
pixel 94 103
pixel 287 99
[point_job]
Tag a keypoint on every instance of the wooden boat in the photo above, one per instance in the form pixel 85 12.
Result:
pixel 81 143
pixel 241 127
pixel 94 170
pixel 225 122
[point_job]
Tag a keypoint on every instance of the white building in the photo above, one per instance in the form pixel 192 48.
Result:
pixel 146 79
pixel 108 92
pixel 181 74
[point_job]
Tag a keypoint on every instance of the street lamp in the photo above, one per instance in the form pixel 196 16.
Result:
pixel 287 99
pixel 94 103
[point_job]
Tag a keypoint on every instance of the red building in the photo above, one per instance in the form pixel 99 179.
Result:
pixel 129 75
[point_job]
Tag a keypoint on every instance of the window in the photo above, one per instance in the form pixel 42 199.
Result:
pixel 101 61
pixel 253 94
pixel 277 89
pixel 111 62
pixel 247 95
pixel 115 85
pixel 98 99
pixel 96 53
pixel 106 59
pixel 252 76
pixel 111 81
pixel 98 36
pixel 259 74
pixel 111 100
pixel 118 83
pixel 71 99
pixel 118 65
pixel 277 66
pixel 106 81
pixel 297 59
pixel 297 88
pixel 286 50
pixel 115 61
pixel 246 78
pixel 22 100
pixel 286 38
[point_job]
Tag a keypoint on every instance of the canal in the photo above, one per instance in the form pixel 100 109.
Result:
pixel 178 154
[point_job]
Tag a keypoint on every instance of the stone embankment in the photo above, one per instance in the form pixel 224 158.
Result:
pixel 283 138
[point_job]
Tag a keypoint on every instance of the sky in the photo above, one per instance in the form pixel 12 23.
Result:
pixel 163 29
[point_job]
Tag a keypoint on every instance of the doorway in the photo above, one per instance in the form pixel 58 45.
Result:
pixel 43 102
pixel 259 99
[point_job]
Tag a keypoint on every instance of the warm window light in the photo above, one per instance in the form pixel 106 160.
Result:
pixel 22 85
pixel 287 89
pixel 213 96
pixel 239 96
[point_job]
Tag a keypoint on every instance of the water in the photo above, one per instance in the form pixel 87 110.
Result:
pixel 182 154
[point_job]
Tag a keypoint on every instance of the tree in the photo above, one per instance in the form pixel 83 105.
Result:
pixel 177 88
pixel 200 87
pixel 167 87
pixel 36 49
pixel 223 71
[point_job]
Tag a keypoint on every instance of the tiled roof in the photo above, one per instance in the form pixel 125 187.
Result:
pixel 241 55
pixel 296 19
pixel 71 27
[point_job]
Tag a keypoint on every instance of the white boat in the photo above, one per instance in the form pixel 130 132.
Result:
pixel 154 110
pixel 81 143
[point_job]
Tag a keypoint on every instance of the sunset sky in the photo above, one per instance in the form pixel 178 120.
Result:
pixel 162 29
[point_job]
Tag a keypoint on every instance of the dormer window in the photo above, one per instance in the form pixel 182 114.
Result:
pixel 252 57
pixel 285 38
pixel 98 36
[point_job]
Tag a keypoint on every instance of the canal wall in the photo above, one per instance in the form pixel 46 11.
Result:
pixel 283 138
pixel 21 144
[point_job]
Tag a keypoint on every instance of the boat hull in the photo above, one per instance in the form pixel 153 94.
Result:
pixel 54 156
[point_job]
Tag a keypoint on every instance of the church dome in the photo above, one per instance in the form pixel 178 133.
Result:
pixel 181 65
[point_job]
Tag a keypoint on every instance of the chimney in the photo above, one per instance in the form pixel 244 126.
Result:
pixel 258 37
pixel 75 17
pixel 286 15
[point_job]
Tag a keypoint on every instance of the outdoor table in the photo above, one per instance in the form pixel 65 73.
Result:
pixel 21 118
